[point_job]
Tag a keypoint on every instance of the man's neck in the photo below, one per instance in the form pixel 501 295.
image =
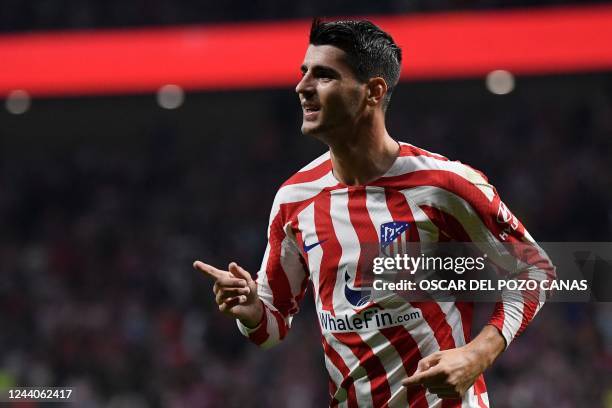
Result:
pixel 364 156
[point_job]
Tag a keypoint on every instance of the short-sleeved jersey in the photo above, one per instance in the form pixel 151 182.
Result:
pixel 321 231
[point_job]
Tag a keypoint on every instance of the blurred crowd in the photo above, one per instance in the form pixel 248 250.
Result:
pixel 99 231
pixel 68 14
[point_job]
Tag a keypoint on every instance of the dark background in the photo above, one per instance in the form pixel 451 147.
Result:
pixel 106 201
pixel 19 15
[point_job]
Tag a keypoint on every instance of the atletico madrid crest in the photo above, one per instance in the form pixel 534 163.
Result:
pixel 393 238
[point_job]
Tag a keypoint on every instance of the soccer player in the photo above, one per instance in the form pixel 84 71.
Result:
pixel 326 215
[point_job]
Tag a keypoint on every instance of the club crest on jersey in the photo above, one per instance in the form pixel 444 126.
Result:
pixel 393 237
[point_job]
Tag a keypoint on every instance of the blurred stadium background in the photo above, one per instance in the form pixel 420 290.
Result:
pixel 108 193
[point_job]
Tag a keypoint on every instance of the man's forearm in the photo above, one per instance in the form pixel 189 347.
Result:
pixel 487 346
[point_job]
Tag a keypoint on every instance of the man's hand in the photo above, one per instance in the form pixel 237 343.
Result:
pixel 450 373
pixel 235 292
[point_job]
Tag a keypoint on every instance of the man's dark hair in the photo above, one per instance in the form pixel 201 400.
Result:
pixel 370 51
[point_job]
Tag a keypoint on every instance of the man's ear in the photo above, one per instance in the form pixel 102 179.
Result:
pixel 377 89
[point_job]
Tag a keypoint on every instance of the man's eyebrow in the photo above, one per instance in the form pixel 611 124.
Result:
pixel 320 69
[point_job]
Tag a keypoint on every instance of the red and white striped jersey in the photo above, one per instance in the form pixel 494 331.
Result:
pixel 317 233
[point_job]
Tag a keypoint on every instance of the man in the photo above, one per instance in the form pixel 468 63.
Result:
pixel 326 215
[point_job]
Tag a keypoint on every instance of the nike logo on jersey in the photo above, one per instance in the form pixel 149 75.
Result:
pixel 309 247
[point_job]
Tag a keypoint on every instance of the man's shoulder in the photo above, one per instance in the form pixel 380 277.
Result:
pixel 306 183
pixel 408 150
pixel 415 159
pixel 316 174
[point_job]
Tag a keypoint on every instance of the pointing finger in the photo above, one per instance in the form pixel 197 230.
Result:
pixel 208 270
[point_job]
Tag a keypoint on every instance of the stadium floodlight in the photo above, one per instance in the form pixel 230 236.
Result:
pixel 170 96
pixel 18 102
pixel 500 82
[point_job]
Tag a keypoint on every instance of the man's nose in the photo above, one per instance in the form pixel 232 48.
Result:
pixel 305 86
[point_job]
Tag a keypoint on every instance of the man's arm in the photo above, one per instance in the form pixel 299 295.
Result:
pixel 264 308
pixel 281 284
pixel 468 209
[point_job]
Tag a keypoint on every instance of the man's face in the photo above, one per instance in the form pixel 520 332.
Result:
pixel 331 96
